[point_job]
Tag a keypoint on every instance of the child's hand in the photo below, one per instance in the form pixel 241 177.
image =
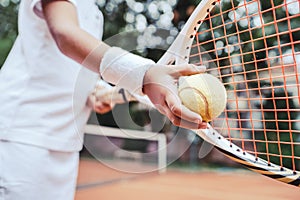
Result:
pixel 160 84
pixel 98 106
pixel 97 102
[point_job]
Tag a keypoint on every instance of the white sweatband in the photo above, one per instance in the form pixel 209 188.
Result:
pixel 124 69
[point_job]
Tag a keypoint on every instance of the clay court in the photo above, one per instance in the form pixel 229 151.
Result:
pixel 98 181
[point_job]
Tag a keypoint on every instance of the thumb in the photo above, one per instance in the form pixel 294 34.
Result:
pixel 188 69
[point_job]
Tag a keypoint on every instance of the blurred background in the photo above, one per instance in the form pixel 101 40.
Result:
pixel 147 19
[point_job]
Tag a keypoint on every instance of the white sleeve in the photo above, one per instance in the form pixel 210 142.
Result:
pixel 36 7
pixel 125 69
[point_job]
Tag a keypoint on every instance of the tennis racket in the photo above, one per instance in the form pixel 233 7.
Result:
pixel 253 47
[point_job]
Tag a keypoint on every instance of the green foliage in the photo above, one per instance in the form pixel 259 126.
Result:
pixel 5 46
pixel 249 29
pixel 113 17
pixel 278 127
pixel 8 28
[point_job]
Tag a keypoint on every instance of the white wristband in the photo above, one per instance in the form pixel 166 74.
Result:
pixel 124 69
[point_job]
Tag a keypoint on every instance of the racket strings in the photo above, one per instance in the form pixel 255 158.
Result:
pixel 254 49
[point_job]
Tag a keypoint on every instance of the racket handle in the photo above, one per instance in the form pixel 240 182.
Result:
pixel 128 97
pixel 116 95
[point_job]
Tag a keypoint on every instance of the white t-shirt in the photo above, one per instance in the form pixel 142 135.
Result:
pixel 44 93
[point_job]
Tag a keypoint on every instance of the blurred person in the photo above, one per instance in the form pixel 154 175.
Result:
pixel 45 83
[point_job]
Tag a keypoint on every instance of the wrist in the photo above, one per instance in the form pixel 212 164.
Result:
pixel 147 78
pixel 125 69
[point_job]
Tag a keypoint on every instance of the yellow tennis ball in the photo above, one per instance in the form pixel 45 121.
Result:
pixel 203 94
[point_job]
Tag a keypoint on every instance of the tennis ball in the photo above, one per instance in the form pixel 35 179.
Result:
pixel 203 94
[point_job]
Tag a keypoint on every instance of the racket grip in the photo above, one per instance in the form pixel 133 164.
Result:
pixel 124 96
pixel 114 96
pixel 120 96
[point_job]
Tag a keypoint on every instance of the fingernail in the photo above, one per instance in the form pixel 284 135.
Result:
pixel 203 126
pixel 200 67
pixel 199 121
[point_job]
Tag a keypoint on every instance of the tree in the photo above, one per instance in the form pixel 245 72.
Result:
pixel 8 27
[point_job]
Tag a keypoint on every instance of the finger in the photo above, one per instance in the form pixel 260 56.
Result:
pixel 187 69
pixel 189 125
pixel 177 121
pixel 186 124
pixel 108 96
pixel 179 110
pixel 102 108
pixel 91 101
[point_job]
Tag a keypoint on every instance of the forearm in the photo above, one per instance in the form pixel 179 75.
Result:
pixel 82 48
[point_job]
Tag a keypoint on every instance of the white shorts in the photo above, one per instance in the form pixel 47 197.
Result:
pixel 28 173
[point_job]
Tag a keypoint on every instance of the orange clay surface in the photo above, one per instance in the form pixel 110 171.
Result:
pixel 97 181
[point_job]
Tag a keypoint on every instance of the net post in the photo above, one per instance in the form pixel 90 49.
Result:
pixel 162 153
